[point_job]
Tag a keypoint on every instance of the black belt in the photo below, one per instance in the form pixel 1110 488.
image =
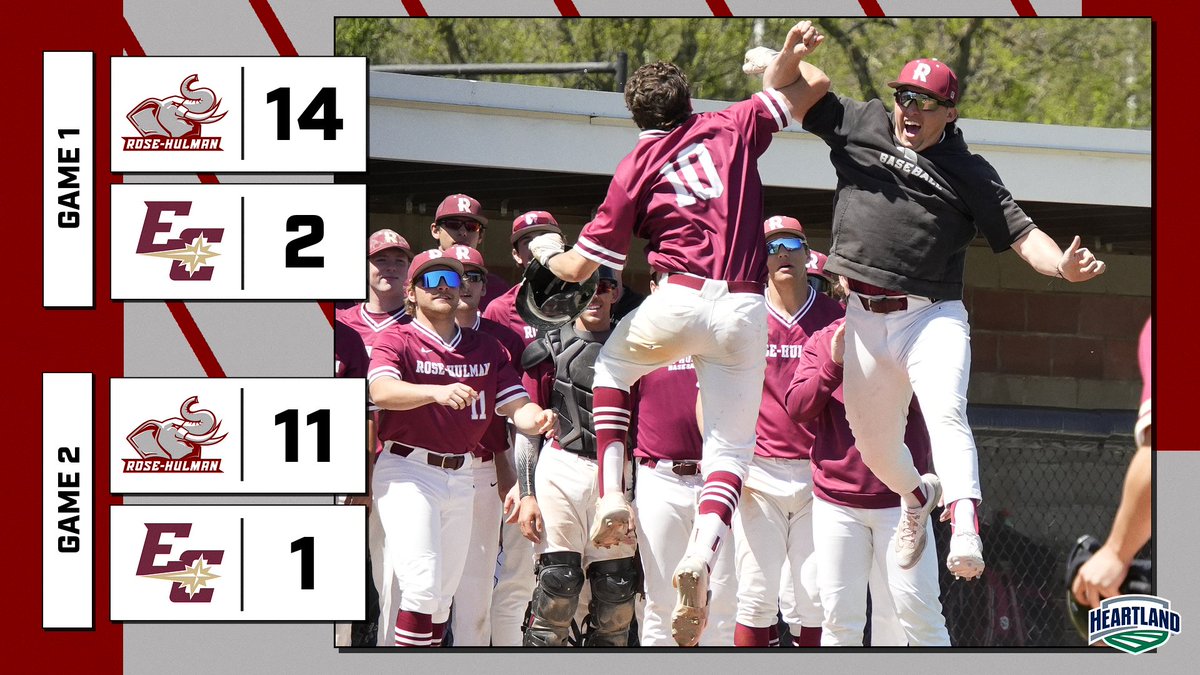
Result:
pixel 679 467
pixel 696 284
pixel 451 462
pixel 884 305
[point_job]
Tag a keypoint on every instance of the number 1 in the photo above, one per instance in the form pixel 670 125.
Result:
pixel 305 546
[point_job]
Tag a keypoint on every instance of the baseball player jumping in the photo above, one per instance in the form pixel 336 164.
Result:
pixel 691 187
pixel 437 386
pixel 910 198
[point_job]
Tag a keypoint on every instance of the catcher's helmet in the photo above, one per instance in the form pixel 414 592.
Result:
pixel 546 302
pixel 1139 579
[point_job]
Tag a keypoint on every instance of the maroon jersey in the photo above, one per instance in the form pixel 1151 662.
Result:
pixel 664 414
pixel 349 353
pixel 503 310
pixel 694 193
pixel 370 325
pixel 495 439
pixel 778 435
pixel 496 287
pixel 415 354
pixel 814 398
pixel 1146 363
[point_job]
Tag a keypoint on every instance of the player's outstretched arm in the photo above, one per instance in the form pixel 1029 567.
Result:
pixel 1101 576
pixel 390 393
pixel 1075 264
pixel 801 84
pixel 525 510
pixel 548 249
pixel 529 417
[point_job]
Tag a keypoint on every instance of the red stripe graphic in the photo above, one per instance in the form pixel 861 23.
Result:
pixel 871 7
pixel 719 8
pixel 566 7
pixel 132 46
pixel 208 178
pixel 195 338
pixel 327 310
pixel 1024 8
pixel 414 8
pixel 270 22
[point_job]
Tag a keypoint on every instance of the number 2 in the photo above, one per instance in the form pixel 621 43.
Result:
pixel 316 232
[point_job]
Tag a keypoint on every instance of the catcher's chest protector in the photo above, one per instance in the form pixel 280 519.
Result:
pixel 574 370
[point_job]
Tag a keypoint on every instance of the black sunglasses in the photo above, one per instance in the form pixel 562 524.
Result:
pixel 925 102
pixel 460 224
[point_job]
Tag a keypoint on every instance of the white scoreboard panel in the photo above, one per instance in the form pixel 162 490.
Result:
pixel 238 241
pixel 238 563
pixel 223 114
pixel 238 436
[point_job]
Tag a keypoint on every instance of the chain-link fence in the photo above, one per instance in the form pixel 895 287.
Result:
pixel 1042 490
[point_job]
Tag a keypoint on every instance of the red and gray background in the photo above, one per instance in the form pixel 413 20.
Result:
pixel 294 339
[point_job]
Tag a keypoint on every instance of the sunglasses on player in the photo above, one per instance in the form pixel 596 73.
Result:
pixel 606 286
pixel 473 276
pixel 787 244
pixel 925 102
pixel 457 224
pixel 436 278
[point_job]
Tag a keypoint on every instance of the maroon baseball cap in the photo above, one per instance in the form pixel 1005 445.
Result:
pixel 929 75
pixel 467 256
pixel 783 225
pixel 816 264
pixel 433 258
pixel 385 239
pixel 460 205
pixel 531 222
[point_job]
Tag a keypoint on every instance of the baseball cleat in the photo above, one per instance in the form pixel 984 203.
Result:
pixel 691 606
pixel 909 541
pixel 613 524
pixel 966 556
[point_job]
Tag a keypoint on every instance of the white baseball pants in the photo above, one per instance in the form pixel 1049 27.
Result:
pixel 425 512
pixel 515 581
pixel 774 523
pixel 925 349
pixel 725 333
pixel 567 493
pixel 854 545
pixel 472 623
pixel 666 510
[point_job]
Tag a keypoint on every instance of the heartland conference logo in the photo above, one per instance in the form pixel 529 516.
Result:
pixel 190 252
pixel 1133 623
pixel 174 123
pixel 189 574
pixel 173 445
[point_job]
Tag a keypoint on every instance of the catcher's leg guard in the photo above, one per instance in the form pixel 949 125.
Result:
pixel 559 581
pixel 614 583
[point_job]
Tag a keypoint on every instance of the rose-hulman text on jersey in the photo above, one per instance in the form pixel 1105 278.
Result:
pixel 460 371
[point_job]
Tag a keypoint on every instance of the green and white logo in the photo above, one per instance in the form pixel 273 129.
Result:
pixel 1133 623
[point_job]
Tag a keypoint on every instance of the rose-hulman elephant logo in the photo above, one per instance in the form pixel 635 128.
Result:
pixel 174 123
pixel 173 445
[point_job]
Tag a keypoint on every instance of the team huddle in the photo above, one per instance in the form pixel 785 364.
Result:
pixel 764 435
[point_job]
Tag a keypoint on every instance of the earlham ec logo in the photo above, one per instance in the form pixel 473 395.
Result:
pixel 173 445
pixel 1133 623
pixel 190 252
pixel 189 574
pixel 174 123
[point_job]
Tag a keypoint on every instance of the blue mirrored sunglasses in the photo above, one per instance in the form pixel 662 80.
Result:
pixel 790 243
pixel 438 277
